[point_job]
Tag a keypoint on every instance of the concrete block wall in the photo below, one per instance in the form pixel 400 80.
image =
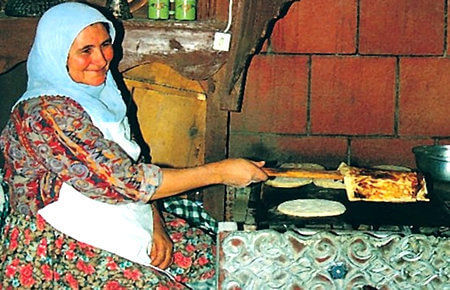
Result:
pixel 359 81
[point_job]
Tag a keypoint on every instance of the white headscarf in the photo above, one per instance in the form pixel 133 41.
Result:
pixel 48 74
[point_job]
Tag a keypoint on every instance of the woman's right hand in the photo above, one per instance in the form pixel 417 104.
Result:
pixel 239 172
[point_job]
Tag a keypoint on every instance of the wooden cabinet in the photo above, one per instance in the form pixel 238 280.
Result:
pixel 187 49
pixel 171 111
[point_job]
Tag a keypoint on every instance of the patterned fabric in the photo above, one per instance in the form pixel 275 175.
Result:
pixel 34 255
pixel 192 212
pixel 50 140
pixel 4 201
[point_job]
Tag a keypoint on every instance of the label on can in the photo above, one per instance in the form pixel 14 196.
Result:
pixel 158 9
pixel 185 9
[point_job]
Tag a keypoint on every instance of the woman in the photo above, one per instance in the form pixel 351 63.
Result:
pixel 82 212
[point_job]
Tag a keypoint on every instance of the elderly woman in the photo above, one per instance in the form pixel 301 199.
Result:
pixel 81 204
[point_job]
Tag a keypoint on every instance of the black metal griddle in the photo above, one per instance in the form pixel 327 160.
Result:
pixel 374 215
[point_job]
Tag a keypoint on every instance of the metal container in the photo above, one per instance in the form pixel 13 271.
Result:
pixel 158 9
pixel 434 161
pixel 185 9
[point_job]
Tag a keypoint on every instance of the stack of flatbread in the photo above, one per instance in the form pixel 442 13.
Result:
pixel 291 182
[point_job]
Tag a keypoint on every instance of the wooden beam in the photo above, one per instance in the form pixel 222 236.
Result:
pixel 252 23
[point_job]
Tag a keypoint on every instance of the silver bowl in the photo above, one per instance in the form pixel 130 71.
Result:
pixel 434 161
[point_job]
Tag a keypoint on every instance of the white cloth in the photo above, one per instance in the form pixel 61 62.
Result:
pixel 123 229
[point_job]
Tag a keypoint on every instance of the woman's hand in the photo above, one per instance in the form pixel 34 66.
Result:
pixel 239 172
pixel 161 254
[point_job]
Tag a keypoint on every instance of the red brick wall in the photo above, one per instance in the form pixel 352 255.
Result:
pixel 359 81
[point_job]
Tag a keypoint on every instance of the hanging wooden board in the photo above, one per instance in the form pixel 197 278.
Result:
pixel 171 113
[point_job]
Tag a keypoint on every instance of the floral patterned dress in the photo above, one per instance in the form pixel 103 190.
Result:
pixel 50 140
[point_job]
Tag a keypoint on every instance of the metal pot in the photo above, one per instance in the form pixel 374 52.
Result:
pixel 434 161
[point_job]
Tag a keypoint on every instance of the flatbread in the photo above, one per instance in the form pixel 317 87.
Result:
pixel 311 208
pixel 339 184
pixel 392 167
pixel 369 184
pixel 289 182
pixel 329 183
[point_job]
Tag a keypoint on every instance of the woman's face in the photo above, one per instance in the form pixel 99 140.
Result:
pixel 90 55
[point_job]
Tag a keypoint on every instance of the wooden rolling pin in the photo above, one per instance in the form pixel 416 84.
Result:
pixel 302 173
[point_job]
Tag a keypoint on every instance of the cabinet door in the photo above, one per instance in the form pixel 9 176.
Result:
pixel 171 115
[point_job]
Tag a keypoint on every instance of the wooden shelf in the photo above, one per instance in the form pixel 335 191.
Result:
pixel 186 46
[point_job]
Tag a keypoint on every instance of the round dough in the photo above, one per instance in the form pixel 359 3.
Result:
pixel 289 182
pixel 392 167
pixel 329 183
pixel 311 208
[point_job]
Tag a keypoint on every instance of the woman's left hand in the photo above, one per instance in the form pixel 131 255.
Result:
pixel 161 254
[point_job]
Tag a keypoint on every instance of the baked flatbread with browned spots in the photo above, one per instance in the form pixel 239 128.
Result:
pixel 371 184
